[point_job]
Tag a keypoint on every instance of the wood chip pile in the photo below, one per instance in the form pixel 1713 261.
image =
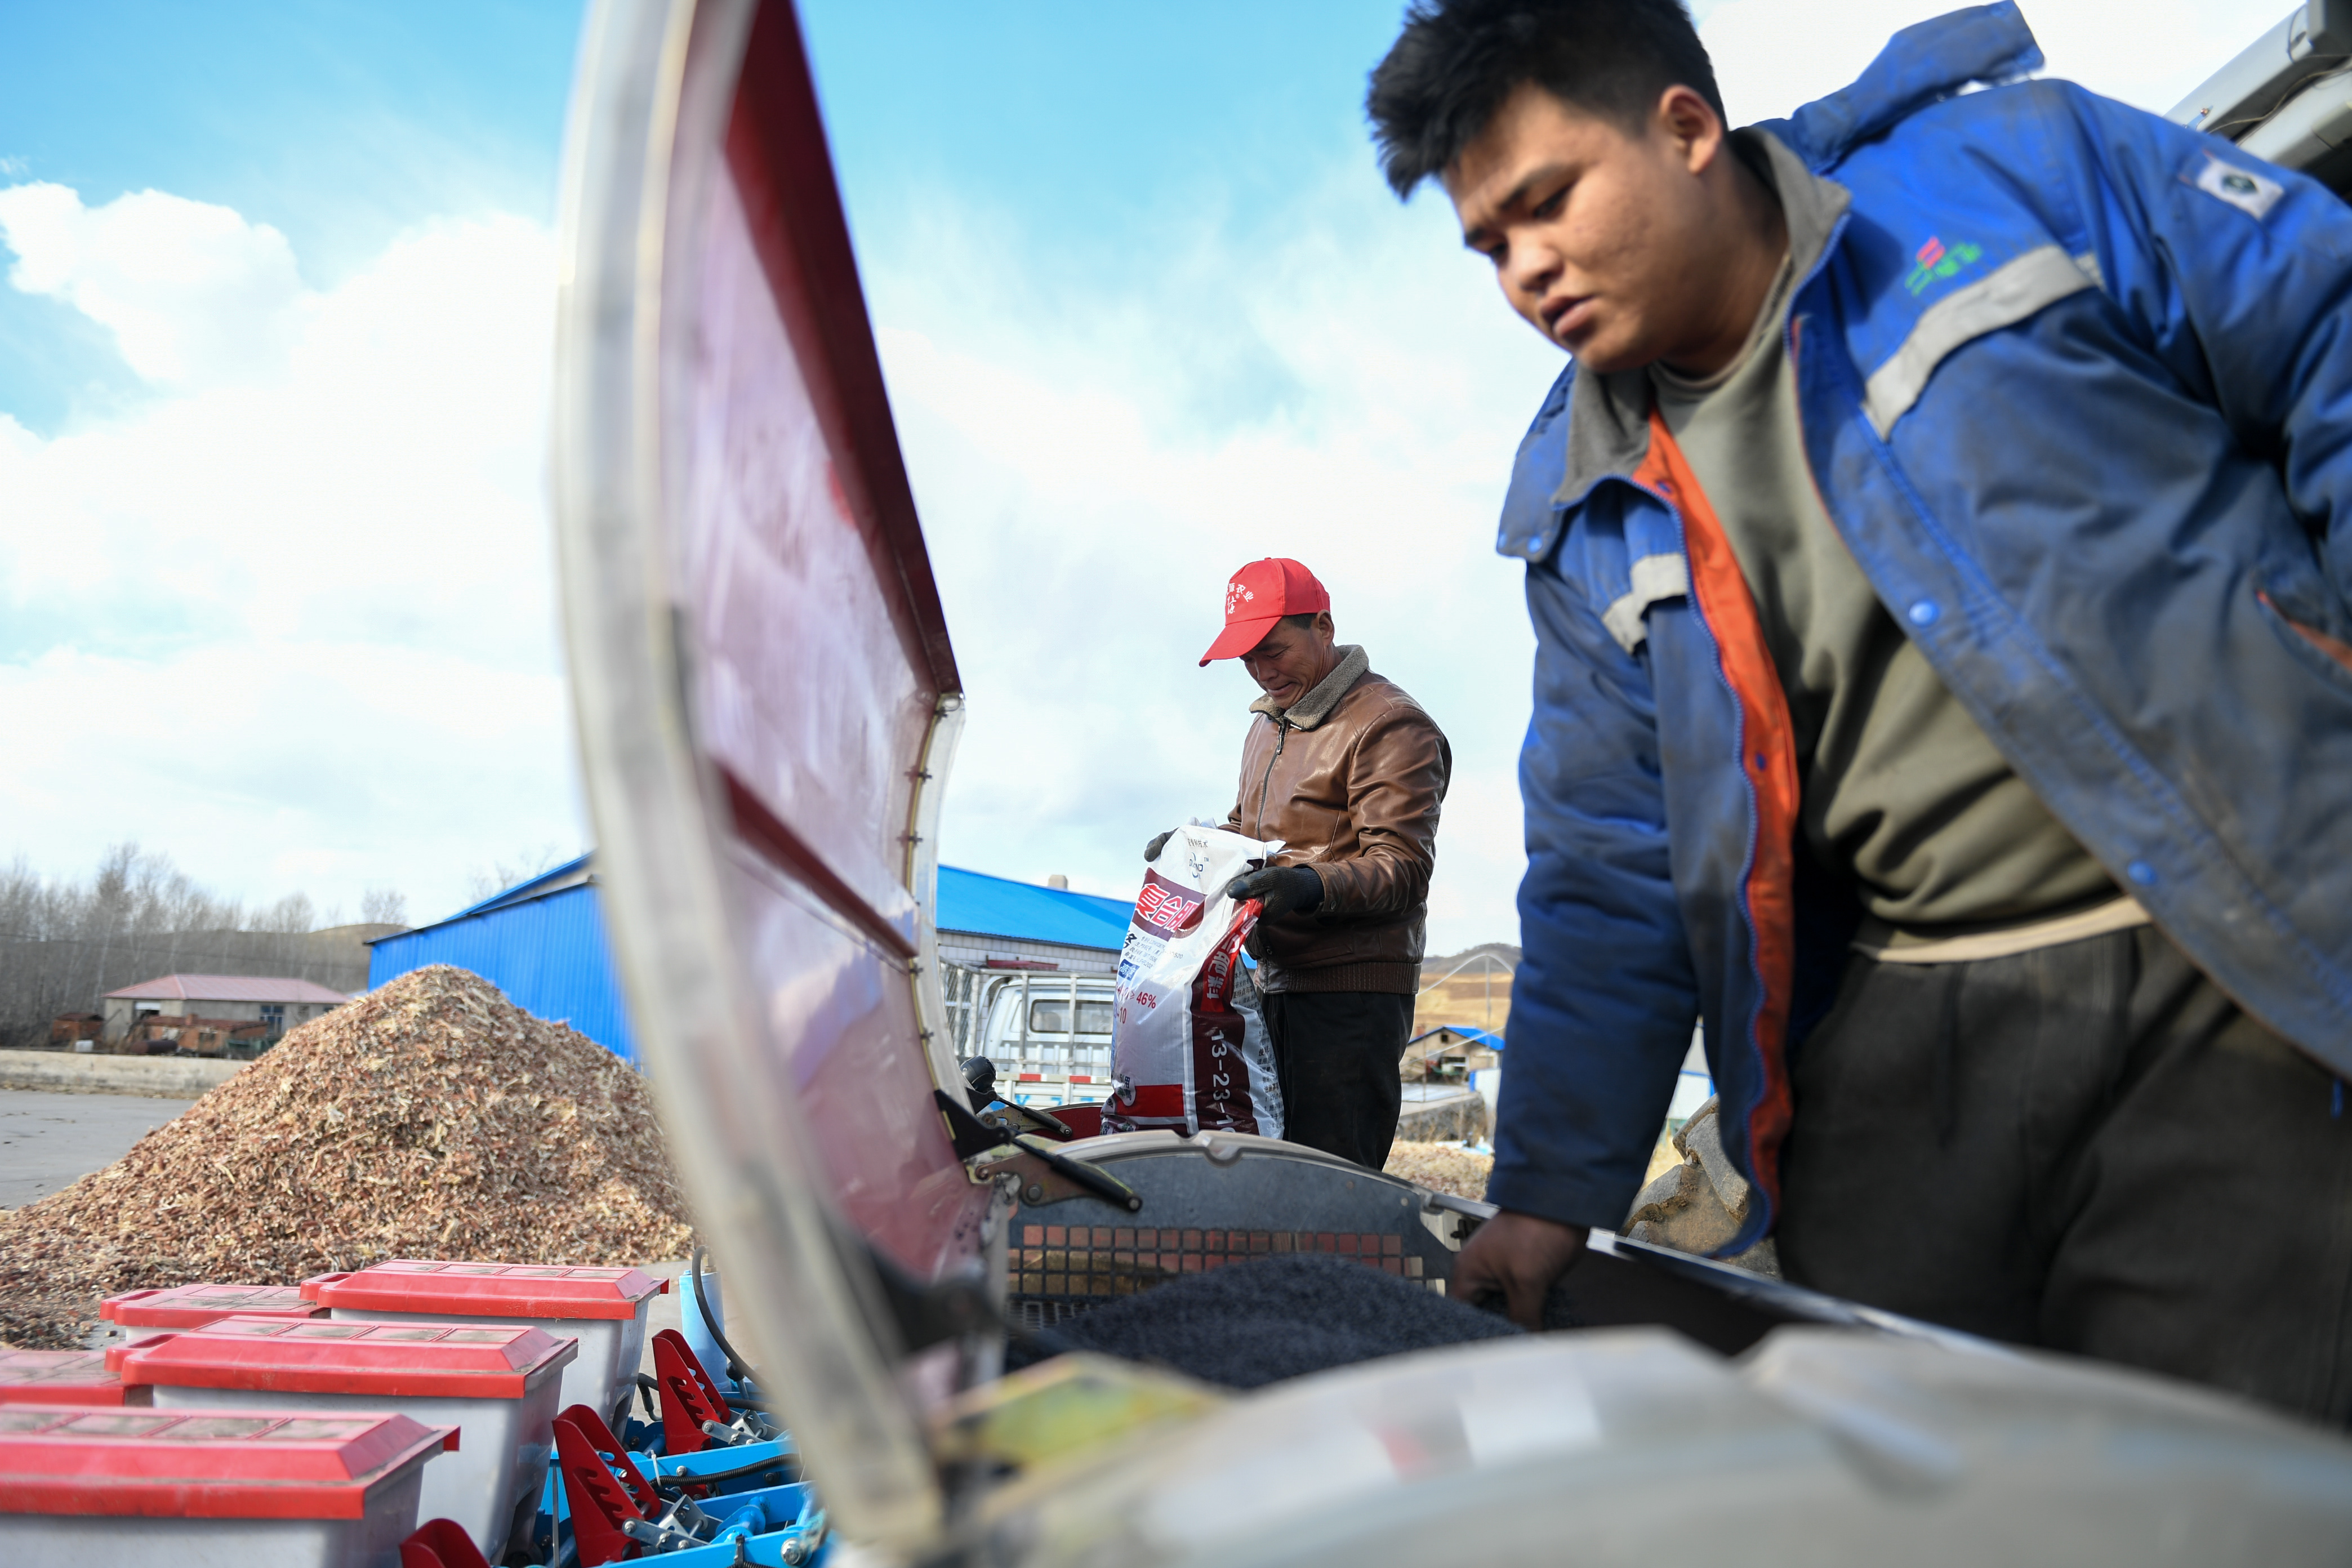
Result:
pixel 1442 1167
pixel 430 1119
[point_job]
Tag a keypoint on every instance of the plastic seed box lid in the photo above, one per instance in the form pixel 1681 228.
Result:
pixel 487 1289
pixel 393 1361
pixel 57 1377
pixel 194 1306
pixel 194 1464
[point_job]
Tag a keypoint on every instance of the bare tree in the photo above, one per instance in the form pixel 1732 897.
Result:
pixel 497 876
pixel 290 916
pixel 65 944
pixel 383 907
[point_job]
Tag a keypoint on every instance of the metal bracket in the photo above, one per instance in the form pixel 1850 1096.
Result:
pixel 646 1532
pixel 1014 1119
pixel 989 1150
pixel 1035 1181
pixel 1454 1220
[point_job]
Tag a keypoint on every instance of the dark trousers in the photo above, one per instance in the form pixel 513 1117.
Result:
pixel 2087 1148
pixel 1336 1053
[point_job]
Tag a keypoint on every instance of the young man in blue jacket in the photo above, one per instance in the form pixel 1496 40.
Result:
pixel 1940 555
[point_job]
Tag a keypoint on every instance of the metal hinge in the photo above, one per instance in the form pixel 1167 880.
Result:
pixel 1038 1172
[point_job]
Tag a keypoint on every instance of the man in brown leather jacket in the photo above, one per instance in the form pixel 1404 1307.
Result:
pixel 1348 773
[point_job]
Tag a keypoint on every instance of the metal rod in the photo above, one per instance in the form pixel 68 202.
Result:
pixel 1020 1051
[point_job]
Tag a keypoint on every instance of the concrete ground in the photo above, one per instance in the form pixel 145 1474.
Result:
pixel 666 1311
pixel 50 1141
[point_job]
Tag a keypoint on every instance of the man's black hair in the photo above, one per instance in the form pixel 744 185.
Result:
pixel 1457 60
pixel 1301 621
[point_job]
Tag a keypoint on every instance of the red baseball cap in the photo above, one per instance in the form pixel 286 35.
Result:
pixel 1259 595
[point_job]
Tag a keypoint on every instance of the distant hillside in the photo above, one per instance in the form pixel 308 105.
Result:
pixel 1478 998
pixel 1507 951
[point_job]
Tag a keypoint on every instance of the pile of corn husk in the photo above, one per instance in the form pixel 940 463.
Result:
pixel 430 1119
pixel 1442 1168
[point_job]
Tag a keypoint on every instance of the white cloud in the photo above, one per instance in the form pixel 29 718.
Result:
pixel 320 765
pixel 290 620
pixel 1771 56
pixel 192 293
pixel 1093 461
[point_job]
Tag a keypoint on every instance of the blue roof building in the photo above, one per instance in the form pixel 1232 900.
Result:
pixel 984 918
pixel 542 941
pixel 1462 1034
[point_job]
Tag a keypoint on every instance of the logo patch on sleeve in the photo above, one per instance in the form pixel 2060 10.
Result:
pixel 2243 188
pixel 1932 263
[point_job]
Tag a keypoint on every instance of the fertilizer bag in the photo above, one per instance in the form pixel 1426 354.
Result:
pixel 1183 1056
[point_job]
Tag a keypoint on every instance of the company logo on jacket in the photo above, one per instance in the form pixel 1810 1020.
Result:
pixel 1936 263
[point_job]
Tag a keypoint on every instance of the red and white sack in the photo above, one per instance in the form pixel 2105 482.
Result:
pixel 1182 1055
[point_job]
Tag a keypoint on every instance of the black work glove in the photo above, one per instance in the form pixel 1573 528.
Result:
pixel 1283 890
pixel 1151 850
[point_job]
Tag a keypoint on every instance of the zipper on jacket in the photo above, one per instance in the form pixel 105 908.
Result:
pixel 1281 734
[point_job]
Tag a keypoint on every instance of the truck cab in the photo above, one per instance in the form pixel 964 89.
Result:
pixel 1049 1033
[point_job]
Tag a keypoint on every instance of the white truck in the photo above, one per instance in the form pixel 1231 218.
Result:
pixel 1048 1033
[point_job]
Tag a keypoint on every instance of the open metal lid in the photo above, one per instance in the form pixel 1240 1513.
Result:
pixel 767 703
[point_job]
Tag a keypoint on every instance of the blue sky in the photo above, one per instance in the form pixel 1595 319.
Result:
pixel 1089 129
pixel 339 124
pixel 1095 122
pixel 1085 126
pixel 273 356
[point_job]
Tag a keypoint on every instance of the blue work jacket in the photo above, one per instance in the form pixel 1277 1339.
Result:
pixel 2076 385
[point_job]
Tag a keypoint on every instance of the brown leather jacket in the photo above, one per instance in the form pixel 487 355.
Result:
pixel 1351 779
